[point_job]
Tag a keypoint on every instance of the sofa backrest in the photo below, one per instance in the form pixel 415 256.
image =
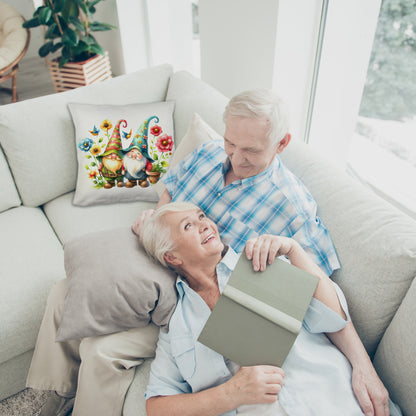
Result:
pixel 375 242
pixel 192 95
pixel 9 198
pixel 37 135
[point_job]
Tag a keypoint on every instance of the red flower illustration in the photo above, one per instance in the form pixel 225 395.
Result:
pixel 156 130
pixel 164 143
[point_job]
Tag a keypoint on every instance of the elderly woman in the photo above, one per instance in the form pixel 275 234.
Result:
pixel 187 378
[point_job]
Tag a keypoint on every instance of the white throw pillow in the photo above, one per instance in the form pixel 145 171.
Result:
pixel 122 151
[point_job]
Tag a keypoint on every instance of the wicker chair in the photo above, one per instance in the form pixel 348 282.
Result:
pixel 14 42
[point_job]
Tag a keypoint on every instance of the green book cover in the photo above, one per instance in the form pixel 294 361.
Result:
pixel 259 314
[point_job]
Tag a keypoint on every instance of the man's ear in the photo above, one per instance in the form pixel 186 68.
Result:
pixel 283 143
pixel 171 259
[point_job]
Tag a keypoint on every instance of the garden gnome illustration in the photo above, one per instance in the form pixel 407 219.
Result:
pixel 136 158
pixel 111 164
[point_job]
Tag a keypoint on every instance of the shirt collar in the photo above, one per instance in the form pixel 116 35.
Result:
pixel 252 179
pixel 224 269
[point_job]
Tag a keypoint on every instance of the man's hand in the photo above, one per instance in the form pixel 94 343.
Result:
pixel 370 392
pixel 255 385
pixel 264 249
pixel 141 219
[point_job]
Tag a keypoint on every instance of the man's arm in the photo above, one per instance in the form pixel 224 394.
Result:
pixel 368 388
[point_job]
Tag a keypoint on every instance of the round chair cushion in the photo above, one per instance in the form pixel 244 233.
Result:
pixel 13 36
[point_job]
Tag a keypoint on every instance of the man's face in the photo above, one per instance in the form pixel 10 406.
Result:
pixel 196 237
pixel 247 146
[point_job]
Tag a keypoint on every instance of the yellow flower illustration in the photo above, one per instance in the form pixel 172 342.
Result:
pixel 95 150
pixel 106 125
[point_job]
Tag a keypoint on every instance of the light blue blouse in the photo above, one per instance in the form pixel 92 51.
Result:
pixel 317 375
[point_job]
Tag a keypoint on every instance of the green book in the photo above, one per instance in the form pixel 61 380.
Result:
pixel 259 314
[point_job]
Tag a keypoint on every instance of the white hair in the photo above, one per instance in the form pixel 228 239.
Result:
pixel 155 234
pixel 263 104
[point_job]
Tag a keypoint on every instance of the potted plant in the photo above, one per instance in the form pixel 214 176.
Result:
pixel 68 32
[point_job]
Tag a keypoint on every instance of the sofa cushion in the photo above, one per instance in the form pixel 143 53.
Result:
pixel 48 131
pixel 70 221
pixel 394 359
pixel 192 95
pixel 105 135
pixel 374 241
pixel 31 260
pixel 113 286
pixel 9 196
pixel 198 133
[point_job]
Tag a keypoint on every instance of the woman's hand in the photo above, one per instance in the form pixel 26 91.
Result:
pixel 141 219
pixel 264 249
pixel 255 385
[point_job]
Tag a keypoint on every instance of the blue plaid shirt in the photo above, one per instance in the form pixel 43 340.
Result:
pixel 273 202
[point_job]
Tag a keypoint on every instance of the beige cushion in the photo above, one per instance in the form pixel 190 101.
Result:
pixel 375 242
pixel 13 36
pixel 113 286
pixel 198 133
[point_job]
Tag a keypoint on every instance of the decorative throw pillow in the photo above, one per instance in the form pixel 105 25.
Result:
pixel 113 285
pixel 122 151
pixel 198 133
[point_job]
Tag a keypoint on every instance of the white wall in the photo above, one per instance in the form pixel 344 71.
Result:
pixel 238 42
pixel 170 33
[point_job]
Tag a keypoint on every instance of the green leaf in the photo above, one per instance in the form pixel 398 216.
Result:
pixel 164 163
pixel 34 22
pixel 44 15
pixel 93 164
pixel 45 49
pixel 58 5
pixel 62 61
pixel 100 27
pixel 155 157
pixel 70 37
pixel 97 49
pixel 57 46
pixel 87 167
pixel 77 23
pixel 52 31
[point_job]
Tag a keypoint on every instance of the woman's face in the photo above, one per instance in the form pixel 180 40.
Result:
pixel 196 237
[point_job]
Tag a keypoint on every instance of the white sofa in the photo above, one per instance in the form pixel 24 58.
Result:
pixel 376 243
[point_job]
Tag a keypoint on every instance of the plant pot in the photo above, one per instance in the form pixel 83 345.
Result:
pixel 153 176
pixel 78 74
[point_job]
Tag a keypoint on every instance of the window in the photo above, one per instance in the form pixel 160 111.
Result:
pixel 383 147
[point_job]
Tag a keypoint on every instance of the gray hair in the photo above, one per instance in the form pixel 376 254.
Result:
pixel 156 236
pixel 261 103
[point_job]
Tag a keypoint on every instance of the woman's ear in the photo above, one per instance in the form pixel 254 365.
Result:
pixel 171 259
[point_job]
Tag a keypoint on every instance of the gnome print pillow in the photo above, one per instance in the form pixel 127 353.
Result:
pixel 122 151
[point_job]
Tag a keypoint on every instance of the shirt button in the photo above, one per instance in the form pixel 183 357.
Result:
pixel 219 194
